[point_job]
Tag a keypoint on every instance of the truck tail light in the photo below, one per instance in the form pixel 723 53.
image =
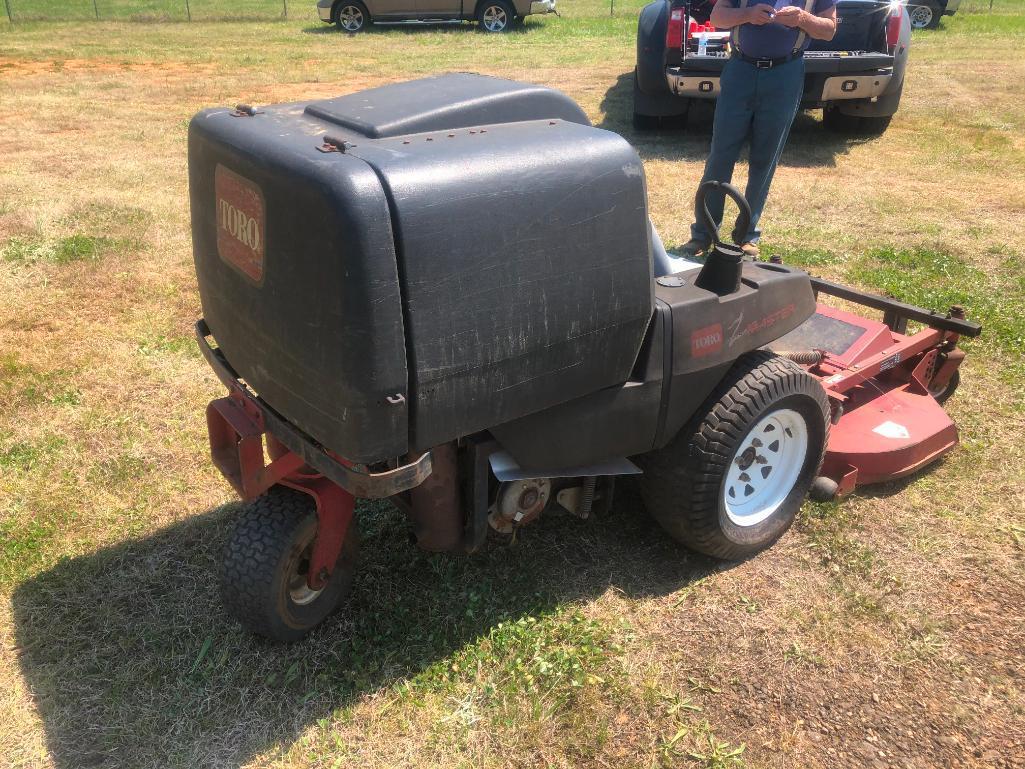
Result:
pixel 893 24
pixel 674 31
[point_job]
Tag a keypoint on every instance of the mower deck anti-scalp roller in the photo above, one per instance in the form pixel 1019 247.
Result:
pixel 448 293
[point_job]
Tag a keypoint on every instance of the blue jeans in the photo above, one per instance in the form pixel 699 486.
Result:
pixel 755 104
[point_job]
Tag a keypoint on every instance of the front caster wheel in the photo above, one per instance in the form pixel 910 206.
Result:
pixel 266 560
pixel 731 482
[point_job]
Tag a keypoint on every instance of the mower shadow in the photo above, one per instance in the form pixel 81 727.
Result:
pixel 132 661
pixel 809 146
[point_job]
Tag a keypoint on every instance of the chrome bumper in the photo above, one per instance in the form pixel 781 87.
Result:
pixel 542 6
pixel 704 86
pixel 854 87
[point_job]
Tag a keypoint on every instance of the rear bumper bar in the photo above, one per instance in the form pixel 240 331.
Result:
pixel 253 417
pixel 697 84
pixel 898 310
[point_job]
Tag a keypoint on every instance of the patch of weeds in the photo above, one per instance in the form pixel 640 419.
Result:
pixel 125 222
pixel 697 685
pixel 713 753
pixel 826 526
pixel 22 540
pixel 20 383
pixel 804 257
pixel 119 470
pixel 27 456
pixel 52 388
pixel 698 744
pixel 750 605
pixel 546 660
pixel 797 653
pixel 64 250
pixel 175 345
pixel 937 280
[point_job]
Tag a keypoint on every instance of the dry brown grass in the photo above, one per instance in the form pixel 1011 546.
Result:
pixel 886 631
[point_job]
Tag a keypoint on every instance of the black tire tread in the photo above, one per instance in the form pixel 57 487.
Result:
pixel 690 466
pixel 267 528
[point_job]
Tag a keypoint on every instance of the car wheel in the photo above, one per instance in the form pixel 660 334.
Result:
pixel 925 14
pixel 854 125
pixel 645 122
pixel 351 16
pixel 495 16
pixel 730 483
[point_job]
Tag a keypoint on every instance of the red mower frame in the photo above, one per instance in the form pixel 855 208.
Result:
pixel 244 432
pixel 886 389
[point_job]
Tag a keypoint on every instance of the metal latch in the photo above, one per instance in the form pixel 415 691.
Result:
pixel 334 144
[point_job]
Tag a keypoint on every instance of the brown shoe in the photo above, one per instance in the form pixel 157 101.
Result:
pixel 751 250
pixel 694 247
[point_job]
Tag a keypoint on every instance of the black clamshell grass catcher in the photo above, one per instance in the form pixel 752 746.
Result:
pixel 447 293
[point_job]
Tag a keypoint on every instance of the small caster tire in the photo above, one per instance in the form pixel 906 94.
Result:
pixel 943 392
pixel 266 560
pixel 823 489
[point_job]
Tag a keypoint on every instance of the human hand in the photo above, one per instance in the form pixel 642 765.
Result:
pixel 760 14
pixel 790 16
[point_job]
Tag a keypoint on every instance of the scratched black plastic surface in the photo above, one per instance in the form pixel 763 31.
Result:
pixel 483 276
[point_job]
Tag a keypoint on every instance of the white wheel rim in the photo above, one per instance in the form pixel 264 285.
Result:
pixel 764 468
pixel 351 18
pixel 495 18
pixel 298 590
pixel 921 15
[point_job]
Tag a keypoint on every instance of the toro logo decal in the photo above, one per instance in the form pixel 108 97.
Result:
pixel 239 215
pixel 706 341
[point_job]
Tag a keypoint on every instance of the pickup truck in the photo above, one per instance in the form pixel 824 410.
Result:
pixel 856 78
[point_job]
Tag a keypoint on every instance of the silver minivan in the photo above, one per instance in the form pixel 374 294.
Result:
pixel 491 15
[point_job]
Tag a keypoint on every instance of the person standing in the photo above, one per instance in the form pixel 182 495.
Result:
pixel 760 92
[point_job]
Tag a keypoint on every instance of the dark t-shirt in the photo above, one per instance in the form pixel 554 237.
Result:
pixel 772 41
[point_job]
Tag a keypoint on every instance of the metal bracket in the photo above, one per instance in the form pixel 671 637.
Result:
pixel 248 417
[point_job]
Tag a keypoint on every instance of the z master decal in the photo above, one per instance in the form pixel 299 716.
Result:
pixel 738 330
pixel 239 215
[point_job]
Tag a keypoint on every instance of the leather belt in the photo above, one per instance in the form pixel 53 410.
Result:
pixel 768 63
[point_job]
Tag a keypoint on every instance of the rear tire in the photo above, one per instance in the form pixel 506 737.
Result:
pixel 495 16
pixel 263 579
pixel 645 122
pixel 732 480
pixel 854 125
pixel 924 14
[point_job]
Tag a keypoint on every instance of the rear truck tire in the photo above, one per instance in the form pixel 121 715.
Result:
pixel 263 577
pixel 645 122
pixel 854 125
pixel 730 483
pixel 924 14
pixel 495 16
pixel 942 393
pixel 352 16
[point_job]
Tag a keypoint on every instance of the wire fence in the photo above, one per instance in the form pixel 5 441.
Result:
pixel 211 10
pixel 155 10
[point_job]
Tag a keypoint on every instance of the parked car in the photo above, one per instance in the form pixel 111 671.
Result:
pixel 856 78
pixel 492 15
pixel 926 14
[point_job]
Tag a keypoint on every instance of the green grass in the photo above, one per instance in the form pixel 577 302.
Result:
pixel 577 645
pixel 70 248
